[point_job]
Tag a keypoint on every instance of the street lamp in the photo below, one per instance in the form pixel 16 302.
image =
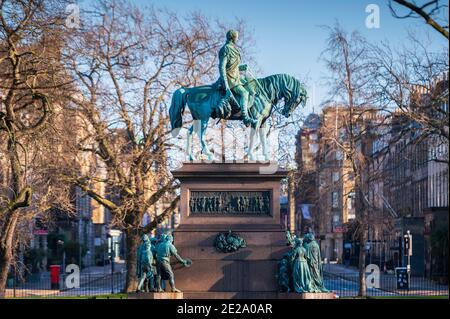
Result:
pixel 60 242
pixel 113 233
pixel 112 256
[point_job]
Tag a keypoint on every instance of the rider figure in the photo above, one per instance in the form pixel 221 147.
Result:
pixel 229 67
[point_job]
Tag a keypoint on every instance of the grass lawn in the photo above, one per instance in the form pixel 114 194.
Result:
pixel 125 296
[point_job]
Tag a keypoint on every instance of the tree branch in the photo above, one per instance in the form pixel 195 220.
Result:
pixel 421 12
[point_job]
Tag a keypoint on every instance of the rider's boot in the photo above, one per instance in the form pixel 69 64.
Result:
pixel 245 117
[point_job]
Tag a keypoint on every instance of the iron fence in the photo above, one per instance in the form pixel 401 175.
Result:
pixel 342 284
pixel 347 285
pixel 89 285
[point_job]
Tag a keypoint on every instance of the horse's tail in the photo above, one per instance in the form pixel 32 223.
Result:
pixel 177 108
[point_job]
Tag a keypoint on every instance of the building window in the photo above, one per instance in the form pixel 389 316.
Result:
pixel 350 203
pixel 335 177
pixel 335 199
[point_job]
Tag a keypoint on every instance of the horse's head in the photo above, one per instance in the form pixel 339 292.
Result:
pixel 293 94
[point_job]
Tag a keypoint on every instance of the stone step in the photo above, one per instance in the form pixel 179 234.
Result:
pixel 229 295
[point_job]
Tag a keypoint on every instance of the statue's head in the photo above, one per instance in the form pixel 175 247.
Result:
pixel 309 237
pixel 145 238
pixel 169 238
pixel 298 241
pixel 293 93
pixel 232 35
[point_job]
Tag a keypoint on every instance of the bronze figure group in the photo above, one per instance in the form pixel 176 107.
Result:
pixel 229 202
pixel 153 263
pixel 300 269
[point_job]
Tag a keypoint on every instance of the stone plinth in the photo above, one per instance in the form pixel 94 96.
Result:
pixel 307 295
pixel 250 271
pixel 156 295
pixel 231 295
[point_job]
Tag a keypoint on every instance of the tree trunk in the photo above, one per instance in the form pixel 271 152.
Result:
pixel 292 204
pixel 132 241
pixel 362 262
pixel 6 252
pixel 5 262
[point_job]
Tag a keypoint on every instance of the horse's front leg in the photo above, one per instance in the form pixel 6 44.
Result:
pixel 189 143
pixel 263 138
pixel 251 145
pixel 209 155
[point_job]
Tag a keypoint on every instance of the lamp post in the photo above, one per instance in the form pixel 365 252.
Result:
pixel 112 234
pixel 112 256
pixel 408 252
pixel 60 242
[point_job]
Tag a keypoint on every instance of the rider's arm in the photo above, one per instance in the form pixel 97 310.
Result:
pixel 223 68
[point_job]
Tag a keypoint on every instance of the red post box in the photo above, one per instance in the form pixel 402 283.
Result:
pixel 54 276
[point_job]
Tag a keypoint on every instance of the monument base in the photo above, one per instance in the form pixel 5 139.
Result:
pixel 230 295
pixel 306 295
pixel 156 295
pixel 243 198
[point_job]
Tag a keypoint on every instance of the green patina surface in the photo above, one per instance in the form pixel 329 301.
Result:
pixel 300 270
pixel 229 242
pixel 233 97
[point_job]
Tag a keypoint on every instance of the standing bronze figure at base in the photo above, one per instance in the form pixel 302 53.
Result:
pixel 300 270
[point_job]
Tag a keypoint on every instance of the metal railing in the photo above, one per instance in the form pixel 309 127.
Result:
pixel 347 285
pixel 89 285
pixel 342 284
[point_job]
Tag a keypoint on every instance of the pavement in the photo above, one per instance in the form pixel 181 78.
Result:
pixel 94 280
pixel 119 266
pixel 338 278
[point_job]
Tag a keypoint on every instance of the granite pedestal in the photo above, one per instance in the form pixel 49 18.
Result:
pixel 156 295
pixel 250 271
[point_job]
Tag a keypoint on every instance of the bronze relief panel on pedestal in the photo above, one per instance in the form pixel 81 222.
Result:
pixel 230 203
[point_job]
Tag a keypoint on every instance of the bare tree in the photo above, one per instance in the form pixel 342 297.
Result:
pixel 434 12
pixel 346 57
pixel 414 81
pixel 126 62
pixel 31 75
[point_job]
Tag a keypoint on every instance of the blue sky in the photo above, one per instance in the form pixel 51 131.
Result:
pixel 288 33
